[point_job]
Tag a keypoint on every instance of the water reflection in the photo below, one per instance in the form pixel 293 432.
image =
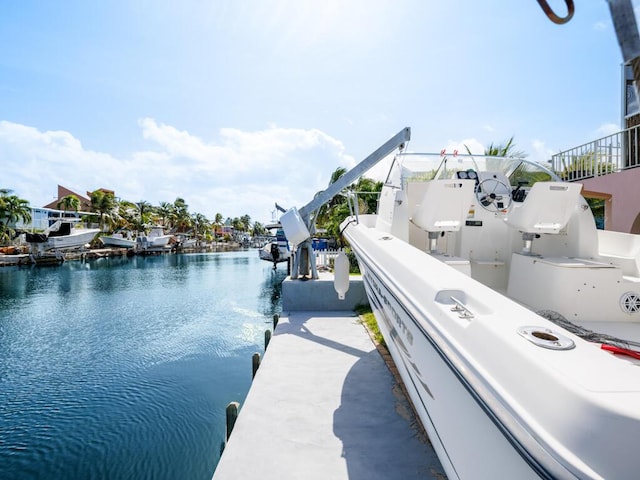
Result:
pixel 122 367
pixel 271 291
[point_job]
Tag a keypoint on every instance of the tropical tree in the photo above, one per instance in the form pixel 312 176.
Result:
pixel 502 150
pixel 246 220
pixel 258 229
pixel 106 205
pixel 164 212
pixel 238 225
pixel 144 211
pixel 180 218
pixel 324 211
pixel 201 225
pixel 128 216
pixel 69 203
pixel 13 208
pixel 217 223
pixel 368 192
pixel 333 213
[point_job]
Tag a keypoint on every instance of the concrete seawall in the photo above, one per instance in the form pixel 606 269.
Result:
pixel 320 294
pixel 323 404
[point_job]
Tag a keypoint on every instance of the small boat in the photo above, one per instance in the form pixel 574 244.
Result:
pixel 64 234
pixel 118 240
pixel 277 249
pixel 513 321
pixel 155 240
pixel 185 241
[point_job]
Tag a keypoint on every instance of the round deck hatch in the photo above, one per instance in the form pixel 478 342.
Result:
pixel 546 338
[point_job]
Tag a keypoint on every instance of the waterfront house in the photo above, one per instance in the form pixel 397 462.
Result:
pixel 608 167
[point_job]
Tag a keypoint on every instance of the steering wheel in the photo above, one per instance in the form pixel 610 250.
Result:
pixel 489 199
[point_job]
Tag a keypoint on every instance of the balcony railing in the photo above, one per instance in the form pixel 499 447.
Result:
pixel 609 154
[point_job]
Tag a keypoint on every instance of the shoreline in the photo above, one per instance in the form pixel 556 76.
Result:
pixel 54 258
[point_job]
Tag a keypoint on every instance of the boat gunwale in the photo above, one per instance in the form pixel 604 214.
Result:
pixel 545 460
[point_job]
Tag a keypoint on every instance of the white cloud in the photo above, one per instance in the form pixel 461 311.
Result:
pixel 475 147
pixel 238 173
pixel 607 129
pixel 601 26
pixel 540 152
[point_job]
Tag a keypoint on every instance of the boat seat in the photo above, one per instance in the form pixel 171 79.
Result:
pixel 546 209
pixel 622 249
pixel 444 207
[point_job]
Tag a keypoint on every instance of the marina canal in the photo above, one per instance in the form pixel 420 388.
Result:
pixel 121 368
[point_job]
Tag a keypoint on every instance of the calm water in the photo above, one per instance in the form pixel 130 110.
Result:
pixel 122 368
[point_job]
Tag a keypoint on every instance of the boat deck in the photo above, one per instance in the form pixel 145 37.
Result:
pixel 323 404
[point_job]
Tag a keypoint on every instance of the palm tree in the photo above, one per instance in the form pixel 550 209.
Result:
pixel 333 213
pixel 128 215
pixel 201 224
pixel 335 218
pixel 324 211
pixel 164 212
pixel 69 203
pixel 106 205
pixel 217 223
pixel 246 220
pixel 502 150
pixel 144 209
pixel 180 217
pixel 368 193
pixel 238 225
pixel 258 229
pixel 12 209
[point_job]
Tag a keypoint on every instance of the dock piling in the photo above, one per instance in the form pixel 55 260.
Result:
pixel 267 338
pixel 255 360
pixel 232 416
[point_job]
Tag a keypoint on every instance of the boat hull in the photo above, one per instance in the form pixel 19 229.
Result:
pixel 442 402
pixel 77 239
pixel 494 406
pixel 117 242
pixel 156 240
pixel 283 253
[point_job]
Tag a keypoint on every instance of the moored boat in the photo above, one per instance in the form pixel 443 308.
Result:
pixel 185 241
pixel 513 321
pixel 63 234
pixel 276 250
pixel 118 240
pixel 155 240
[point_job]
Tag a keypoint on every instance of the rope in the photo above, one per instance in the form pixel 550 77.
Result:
pixel 588 335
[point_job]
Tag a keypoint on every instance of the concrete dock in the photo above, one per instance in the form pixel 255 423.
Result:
pixel 324 405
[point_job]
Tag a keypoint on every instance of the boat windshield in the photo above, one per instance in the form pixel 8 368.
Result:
pixel 421 167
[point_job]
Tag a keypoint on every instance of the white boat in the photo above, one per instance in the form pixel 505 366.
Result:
pixel 185 241
pixel 513 321
pixel 63 234
pixel 277 249
pixel 118 240
pixel 155 240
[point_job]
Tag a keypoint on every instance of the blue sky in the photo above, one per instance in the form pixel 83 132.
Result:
pixel 235 105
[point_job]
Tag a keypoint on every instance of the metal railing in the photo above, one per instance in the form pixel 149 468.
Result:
pixel 609 154
pixel 326 258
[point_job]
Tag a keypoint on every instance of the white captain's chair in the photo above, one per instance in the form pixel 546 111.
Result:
pixel 547 208
pixel 444 207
